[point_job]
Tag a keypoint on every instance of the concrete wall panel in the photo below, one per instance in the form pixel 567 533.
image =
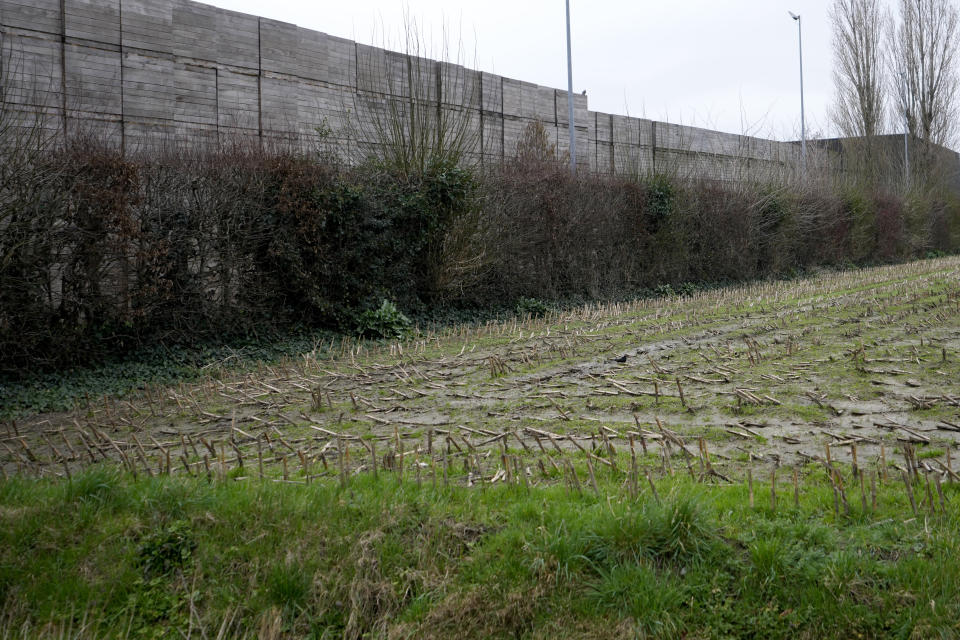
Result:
pixel 341 66
pixel 148 83
pixel 147 25
pixel 195 32
pixel 240 44
pixel 312 55
pixel 94 20
pixel 280 106
pixel 195 94
pixel 237 100
pixel 93 80
pixel 491 92
pixel 603 125
pixel 492 136
pixel 185 68
pixel 34 76
pixel 32 15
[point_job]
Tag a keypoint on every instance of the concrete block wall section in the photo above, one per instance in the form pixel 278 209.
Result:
pixel 147 25
pixel 196 32
pixel 42 16
pixel 581 114
pixel 238 99
pixel 92 78
pixel 491 93
pixel 195 87
pixel 459 86
pixel 586 153
pixel 492 137
pixel 93 21
pixel 33 78
pixel 145 70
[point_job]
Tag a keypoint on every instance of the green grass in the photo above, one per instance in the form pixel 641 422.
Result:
pixel 149 558
pixel 107 555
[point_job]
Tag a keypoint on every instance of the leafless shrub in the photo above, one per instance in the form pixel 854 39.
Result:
pixel 414 111
pixel 541 233
pixel 28 194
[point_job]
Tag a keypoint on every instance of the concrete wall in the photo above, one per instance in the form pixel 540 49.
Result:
pixel 145 71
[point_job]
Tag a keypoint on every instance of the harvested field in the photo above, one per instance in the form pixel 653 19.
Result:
pixel 769 461
pixel 856 367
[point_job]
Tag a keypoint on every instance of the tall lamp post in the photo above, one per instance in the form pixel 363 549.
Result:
pixel 803 128
pixel 573 139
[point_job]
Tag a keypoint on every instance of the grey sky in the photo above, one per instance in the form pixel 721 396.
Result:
pixel 730 65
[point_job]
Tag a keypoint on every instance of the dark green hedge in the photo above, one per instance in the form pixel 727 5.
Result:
pixel 101 254
pixel 113 254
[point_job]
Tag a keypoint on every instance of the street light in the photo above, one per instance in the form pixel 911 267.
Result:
pixel 573 140
pixel 803 129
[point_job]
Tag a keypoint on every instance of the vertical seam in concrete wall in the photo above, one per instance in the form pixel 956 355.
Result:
pixel 653 146
pixel 410 101
pixel 356 101
pixel 596 151
pixel 503 126
pixel 613 158
pixel 439 82
pixel 63 64
pixel 259 82
pixel 480 104
pixel 216 99
pixel 556 122
pixel 123 113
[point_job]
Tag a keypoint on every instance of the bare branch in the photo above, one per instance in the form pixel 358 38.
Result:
pixel 922 57
pixel 858 27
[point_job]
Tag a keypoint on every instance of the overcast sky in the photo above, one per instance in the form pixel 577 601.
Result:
pixel 731 65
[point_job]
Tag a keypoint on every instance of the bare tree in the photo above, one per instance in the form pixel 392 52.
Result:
pixel 412 112
pixel 923 67
pixel 858 29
